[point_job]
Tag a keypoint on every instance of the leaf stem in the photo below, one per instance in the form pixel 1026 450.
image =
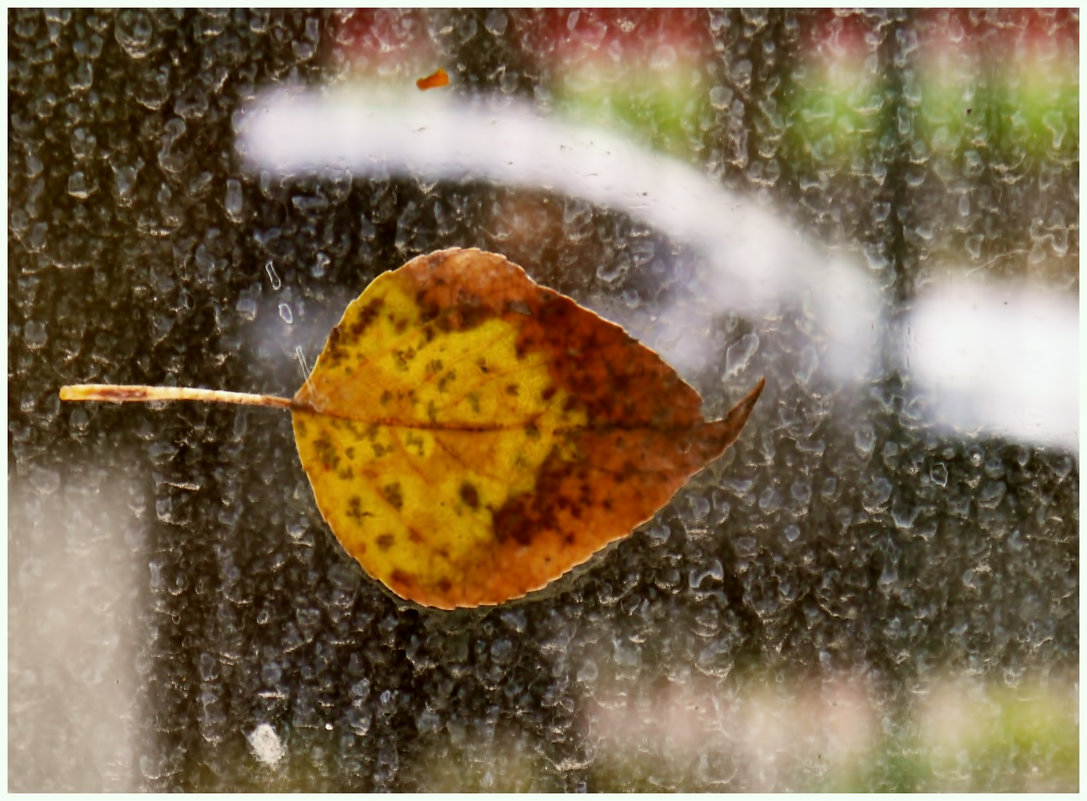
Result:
pixel 120 393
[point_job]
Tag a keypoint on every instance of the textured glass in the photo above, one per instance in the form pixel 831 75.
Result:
pixel 875 589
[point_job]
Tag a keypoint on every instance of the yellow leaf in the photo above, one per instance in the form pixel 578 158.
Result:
pixel 470 435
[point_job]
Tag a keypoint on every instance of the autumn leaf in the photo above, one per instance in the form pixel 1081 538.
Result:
pixel 471 436
pixel 436 79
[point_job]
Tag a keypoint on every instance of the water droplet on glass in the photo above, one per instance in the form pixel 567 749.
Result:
pixel 739 353
pixel 587 673
pixel 992 494
pixel 35 334
pixel 904 514
pixel 801 491
pixel 746 546
pixel 79 186
pixel 247 307
pixel 273 276
pixel 133 32
pixel 700 507
pixel 938 474
pixel 889 577
pixel 770 500
pixel 495 22
pixel 125 180
pixel 713 570
pixel 613 271
pixel 320 265
pixel 864 438
pixel 285 313
pixel 265 744
pixel 79 419
pixel 720 97
pixel 577 216
pixel 875 494
pixel 233 201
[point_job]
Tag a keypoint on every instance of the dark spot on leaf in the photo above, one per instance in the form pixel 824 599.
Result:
pixel 467 314
pixel 385 541
pixel 428 309
pixel 513 522
pixel 469 494
pixel 326 452
pixel 512 390
pixel 402 358
pixel 367 315
pixel 394 495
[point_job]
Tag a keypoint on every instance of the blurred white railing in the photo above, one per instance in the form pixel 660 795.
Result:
pixel 992 358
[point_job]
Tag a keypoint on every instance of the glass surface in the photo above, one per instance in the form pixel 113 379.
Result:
pixel 876 588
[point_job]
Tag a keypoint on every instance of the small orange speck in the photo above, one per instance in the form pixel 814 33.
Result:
pixel 438 78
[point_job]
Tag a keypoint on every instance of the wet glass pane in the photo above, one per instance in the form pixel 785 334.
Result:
pixel 876 588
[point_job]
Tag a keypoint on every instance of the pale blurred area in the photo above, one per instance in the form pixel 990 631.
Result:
pixel 830 734
pixel 997 357
pixel 78 717
pixel 802 735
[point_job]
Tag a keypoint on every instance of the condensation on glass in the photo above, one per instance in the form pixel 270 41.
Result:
pixel 875 590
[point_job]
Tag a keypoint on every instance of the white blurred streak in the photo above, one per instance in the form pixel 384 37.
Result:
pixel 997 360
pixel 998 357
pixel 759 263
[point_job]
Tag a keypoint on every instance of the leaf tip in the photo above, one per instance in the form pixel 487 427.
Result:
pixel 742 410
